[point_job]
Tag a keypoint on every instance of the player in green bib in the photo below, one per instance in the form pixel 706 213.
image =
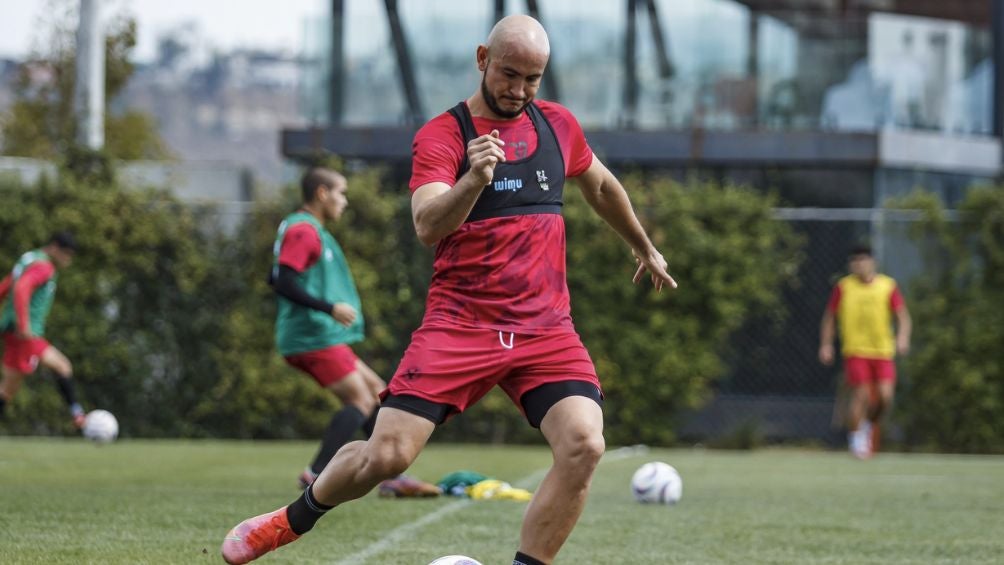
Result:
pixel 319 312
pixel 26 296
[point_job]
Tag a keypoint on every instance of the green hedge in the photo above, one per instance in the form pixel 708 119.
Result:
pixel 953 397
pixel 170 323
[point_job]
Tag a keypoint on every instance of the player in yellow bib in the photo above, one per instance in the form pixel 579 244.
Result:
pixel 864 304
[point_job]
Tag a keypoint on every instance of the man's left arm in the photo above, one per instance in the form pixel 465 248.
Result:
pixel 606 195
pixel 904 325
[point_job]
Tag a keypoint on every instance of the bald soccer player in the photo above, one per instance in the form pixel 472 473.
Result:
pixel 487 181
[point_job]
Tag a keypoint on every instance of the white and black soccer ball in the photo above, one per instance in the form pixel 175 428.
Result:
pixel 657 483
pixel 455 560
pixel 101 426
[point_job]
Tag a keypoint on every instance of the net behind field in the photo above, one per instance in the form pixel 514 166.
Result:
pixel 776 388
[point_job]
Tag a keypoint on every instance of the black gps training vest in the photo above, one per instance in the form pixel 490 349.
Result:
pixel 532 185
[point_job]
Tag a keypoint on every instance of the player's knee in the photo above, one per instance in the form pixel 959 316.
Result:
pixel 65 370
pixel 388 458
pixel 361 397
pixel 582 450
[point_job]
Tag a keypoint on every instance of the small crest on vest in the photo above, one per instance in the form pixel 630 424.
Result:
pixel 542 180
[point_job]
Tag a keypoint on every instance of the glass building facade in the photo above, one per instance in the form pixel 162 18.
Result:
pixel 711 64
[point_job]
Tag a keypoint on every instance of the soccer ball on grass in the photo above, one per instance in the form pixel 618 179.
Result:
pixel 101 426
pixel 658 483
pixel 455 560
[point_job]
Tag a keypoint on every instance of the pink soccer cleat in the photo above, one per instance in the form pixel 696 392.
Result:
pixel 257 536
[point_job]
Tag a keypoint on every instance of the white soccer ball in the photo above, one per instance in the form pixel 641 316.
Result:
pixel 455 560
pixel 101 426
pixel 657 482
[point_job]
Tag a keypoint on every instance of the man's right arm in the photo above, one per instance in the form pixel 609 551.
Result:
pixel 438 210
pixel 828 328
pixel 5 287
pixel 286 286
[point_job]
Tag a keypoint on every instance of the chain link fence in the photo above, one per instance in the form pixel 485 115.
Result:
pixel 776 389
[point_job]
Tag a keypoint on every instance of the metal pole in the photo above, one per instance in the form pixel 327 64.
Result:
pixel 499 11
pixel 336 79
pixel 404 65
pixel 661 47
pixel 89 88
pixel 997 32
pixel 753 61
pixel 630 67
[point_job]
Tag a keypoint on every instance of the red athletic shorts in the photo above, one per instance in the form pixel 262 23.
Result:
pixel 22 355
pixel 328 365
pixel 458 366
pixel 861 371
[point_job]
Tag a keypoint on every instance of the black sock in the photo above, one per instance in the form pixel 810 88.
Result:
pixel 65 385
pixel 340 430
pixel 370 423
pixel 3 406
pixel 305 511
pixel 524 559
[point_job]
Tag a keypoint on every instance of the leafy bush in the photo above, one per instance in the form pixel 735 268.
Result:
pixel 953 398
pixel 170 324
pixel 129 312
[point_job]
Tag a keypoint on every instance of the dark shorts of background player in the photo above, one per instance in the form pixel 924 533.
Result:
pixel 863 370
pixel 446 370
pixel 328 365
pixel 22 355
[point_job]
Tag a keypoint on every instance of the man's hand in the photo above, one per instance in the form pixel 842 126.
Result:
pixel 344 314
pixel 654 263
pixel 826 354
pixel 902 345
pixel 484 153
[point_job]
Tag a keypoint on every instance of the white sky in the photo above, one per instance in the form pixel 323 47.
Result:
pixel 282 24
pixel 268 24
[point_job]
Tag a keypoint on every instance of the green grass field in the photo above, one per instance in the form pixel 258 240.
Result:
pixel 68 501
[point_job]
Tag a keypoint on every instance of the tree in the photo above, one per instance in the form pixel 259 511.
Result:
pixel 41 123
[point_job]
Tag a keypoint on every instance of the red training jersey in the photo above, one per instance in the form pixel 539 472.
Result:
pixel 895 299
pixel 505 273
pixel 36 275
pixel 301 247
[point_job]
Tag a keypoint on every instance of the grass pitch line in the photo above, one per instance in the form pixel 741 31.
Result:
pixel 402 533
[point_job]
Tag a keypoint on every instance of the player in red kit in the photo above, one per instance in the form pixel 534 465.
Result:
pixel 487 187
pixel 26 297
